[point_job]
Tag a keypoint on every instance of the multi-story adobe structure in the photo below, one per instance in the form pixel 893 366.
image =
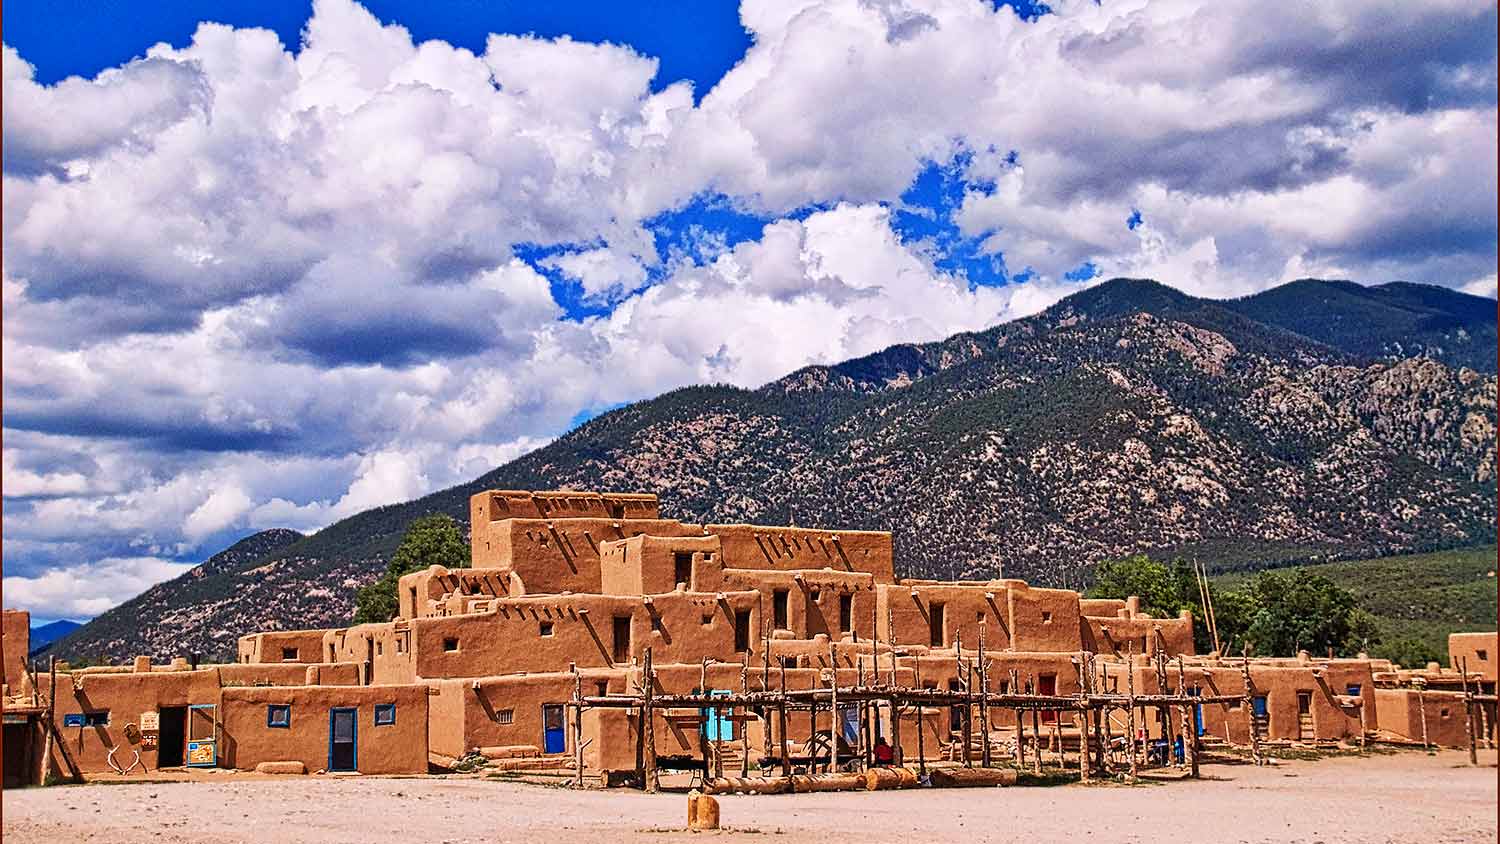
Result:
pixel 569 591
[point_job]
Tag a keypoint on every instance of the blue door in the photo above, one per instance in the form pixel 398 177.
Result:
pixel 717 723
pixel 1197 711
pixel 849 718
pixel 343 734
pixel 554 734
pixel 1258 706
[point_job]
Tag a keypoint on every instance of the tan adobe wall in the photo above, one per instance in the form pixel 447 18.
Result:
pixel 647 565
pixel 302 646
pixel 429 592
pixel 120 699
pixel 1125 634
pixel 1482 650
pixel 551 557
pixel 786 548
pixel 1015 616
pixel 15 645
pixel 399 748
pixel 515 635
pixel 1400 716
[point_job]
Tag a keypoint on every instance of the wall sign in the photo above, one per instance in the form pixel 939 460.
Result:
pixel 150 720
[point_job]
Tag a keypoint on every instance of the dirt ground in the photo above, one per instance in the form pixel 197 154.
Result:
pixel 1407 796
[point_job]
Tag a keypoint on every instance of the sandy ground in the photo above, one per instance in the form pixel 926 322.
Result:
pixel 1409 796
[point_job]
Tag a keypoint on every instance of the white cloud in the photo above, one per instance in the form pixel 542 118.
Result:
pixel 248 286
pixel 87 589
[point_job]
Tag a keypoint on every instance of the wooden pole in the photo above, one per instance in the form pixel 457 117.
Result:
pixel 1036 727
pixel 705 713
pixel 1020 753
pixel 960 667
pixel 745 721
pixel 1130 700
pixel 786 751
pixel 1250 708
pixel 984 706
pixel 899 753
pixel 835 718
pixel 1463 667
pixel 50 716
pixel 1189 722
pixel 765 685
pixel 577 725
pixel 921 745
pixel 1422 707
pixel 648 727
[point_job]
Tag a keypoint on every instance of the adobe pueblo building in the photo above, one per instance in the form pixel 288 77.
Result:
pixel 593 636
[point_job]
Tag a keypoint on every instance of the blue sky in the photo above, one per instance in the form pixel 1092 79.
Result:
pixel 258 278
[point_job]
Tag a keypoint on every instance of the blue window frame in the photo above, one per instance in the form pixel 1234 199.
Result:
pixel 385 714
pixel 96 719
pixel 279 715
pixel 1258 706
pixel 1353 690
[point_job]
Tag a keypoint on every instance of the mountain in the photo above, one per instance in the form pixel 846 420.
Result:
pixel 197 612
pixel 1128 417
pixel 48 633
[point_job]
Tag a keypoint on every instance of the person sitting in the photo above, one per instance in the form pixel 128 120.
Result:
pixel 885 756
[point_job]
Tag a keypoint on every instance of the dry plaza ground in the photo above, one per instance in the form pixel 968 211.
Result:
pixel 1405 796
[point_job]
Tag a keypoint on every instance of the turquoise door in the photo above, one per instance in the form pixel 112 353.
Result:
pixel 717 723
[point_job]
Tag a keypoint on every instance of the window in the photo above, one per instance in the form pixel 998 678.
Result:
pixel 601 688
pixel 621 651
pixel 96 719
pixel 846 613
pixel 385 714
pixel 682 567
pixel 288 654
pixel 1443 713
pixel 708 618
pixel 1258 706
pixel 380 648
pixel 546 628
pixel 1046 617
pixel 505 716
pixel 935 625
pixel 741 630
pixel 400 644
pixel 1353 690
pixel 330 654
pixel 279 715
pixel 412 593
pixel 817 595
pixel 1482 655
pixel 778 609
pixel 450 643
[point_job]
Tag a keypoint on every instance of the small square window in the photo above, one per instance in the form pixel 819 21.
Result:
pixel 1443 713
pixel 505 716
pixel 385 714
pixel 979 615
pixel 288 654
pixel 1482 655
pixel 96 719
pixel 450 643
pixel 546 628
pixel 1353 690
pixel 602 688
pixel 279 715
pixel 1046 617
pixel 380 649
pixel 708 618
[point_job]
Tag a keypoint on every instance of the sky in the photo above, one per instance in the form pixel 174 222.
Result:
pixel 271 264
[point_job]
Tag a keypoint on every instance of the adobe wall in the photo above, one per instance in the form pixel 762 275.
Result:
pixel 1481 650
pixel 813 600
pixel 646 565
pixel 552 557
pixel 1400 715
pixel 544 633
pixel 125 696
pixel 498 504
pixel 1014 615
pixel 786 548
pixel 304 646
pixel 15 645
pixel 431 591
pixel 1127 633
pixel 399 748
pixel 1333 689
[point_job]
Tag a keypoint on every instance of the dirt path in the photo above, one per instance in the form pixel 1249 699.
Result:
pixel 1402 797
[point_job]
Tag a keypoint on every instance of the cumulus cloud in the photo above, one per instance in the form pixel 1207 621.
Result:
pixel 87 589
pixel 249 284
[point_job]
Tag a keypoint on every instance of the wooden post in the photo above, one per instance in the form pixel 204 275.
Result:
pixel 984 702
pixel 765 686
pixel 50 716
pixel 899 753
pixel 1189 722
pixel 1250 708
pixel 648 727
pixel 1422 707
pixel 960 667
pixel 862 742
pixel 1036 726
pixel 1130 701
pixel 704 714
pixel 577 725
pixel 835 718
pixel 1463 667
pixel 745 721
pixel 1013 686
pixel 786 751
pixel 921 710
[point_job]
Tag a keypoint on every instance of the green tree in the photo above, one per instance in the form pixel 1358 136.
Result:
pixel 1298 610
pixel 1408 652
pixel 1166 589
pixel 429 541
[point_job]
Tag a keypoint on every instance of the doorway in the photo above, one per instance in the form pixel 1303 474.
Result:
pixel 1304 715
pixel 172 737
pixel 1046 684
pixel 17 754
pixel 343 734
pixel 554 736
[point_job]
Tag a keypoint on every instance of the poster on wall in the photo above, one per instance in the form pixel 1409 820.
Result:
pixel 150 720
pixel 200 754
